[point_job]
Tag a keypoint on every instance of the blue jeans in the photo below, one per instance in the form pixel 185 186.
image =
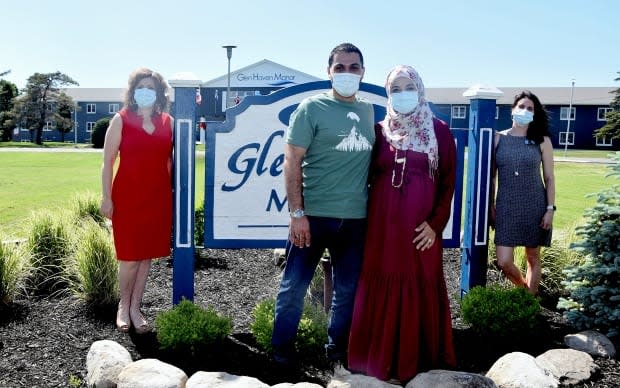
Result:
pixel 345 240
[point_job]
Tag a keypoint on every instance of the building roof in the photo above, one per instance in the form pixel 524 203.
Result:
pixel 548 96
pixel 96 94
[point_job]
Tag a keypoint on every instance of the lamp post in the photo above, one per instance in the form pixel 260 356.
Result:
pixel 570 110
pixel 229 55
pixel 75 124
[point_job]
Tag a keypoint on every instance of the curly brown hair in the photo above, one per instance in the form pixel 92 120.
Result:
pixel 161 87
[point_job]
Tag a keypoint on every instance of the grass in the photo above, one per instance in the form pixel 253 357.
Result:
pixel 33 181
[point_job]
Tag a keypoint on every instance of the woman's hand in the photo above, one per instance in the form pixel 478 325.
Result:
pixel 426 236
pixel 547 220
pixel 107 208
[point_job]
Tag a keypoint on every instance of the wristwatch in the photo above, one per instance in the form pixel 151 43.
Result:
pixel 552 207
pixel 297 213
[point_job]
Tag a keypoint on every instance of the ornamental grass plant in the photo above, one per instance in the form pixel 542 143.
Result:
pixel 95 266
pixel 49 246
pixel 11 270
pixel 85 206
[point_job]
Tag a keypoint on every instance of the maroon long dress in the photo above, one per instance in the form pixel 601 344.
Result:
pixel 401 318
pixel 142 189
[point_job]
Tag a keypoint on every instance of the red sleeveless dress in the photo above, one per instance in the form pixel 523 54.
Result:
pixel 142 189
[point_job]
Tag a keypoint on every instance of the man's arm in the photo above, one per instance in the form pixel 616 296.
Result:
pixel 299 231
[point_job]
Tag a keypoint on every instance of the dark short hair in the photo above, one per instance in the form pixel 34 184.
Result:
pixel 161 101
pixel 539 127
pixel 345 48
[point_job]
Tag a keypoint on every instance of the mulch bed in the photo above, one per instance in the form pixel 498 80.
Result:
pixel 44 342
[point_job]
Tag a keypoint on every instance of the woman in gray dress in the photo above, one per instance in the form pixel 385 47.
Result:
pixel 525 201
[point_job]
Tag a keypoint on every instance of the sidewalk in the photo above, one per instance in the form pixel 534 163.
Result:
pixel 88 149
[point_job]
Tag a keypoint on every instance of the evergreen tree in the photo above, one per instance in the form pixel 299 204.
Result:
pixel 594 285
pixel 63 114
pixel 8 92
pixel 612 127
pixel 32 109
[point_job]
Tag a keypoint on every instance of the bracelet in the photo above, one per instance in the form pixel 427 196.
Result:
pixel 552 207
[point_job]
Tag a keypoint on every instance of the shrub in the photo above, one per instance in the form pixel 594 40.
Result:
pixel 86 206
pixel 95 266
pixel 499 311
pixel 49 247
pixel 311 334
pixel 199 224
pixel 11 271
pixel 190 327
pixel 97 138
pixel 594 285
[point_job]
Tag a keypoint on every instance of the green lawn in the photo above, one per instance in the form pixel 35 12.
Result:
pixel 32 181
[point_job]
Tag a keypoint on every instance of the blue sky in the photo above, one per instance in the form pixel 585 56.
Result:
pixel 527 43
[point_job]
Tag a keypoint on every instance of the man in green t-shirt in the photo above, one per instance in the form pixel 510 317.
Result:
pixel 327 155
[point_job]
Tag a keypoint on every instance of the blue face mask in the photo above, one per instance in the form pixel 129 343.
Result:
pixel 522 116
pixel 404 102
pixel 144 97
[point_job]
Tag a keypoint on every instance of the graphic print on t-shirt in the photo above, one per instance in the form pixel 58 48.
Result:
pixel 354 141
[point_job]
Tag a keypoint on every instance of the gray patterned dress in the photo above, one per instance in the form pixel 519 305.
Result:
pixel 521 200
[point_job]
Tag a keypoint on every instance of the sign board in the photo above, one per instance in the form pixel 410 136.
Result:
pixel 245 198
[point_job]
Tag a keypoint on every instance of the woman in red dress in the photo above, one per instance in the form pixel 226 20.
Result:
pixel 401 318
pixel 138 198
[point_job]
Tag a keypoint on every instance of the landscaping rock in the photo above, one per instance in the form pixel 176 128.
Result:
pixel 520 370
pixel 591 342
pixel 151 373
pixel 569 366
pixel 104 362
pixel 450 379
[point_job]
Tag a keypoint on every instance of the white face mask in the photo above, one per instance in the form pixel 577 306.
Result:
pixel 144 97
pixel 346 84
pixel 404 102
pixel 522 116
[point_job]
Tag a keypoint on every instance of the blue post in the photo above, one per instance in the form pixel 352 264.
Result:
pixel 183 172
pixel 474 248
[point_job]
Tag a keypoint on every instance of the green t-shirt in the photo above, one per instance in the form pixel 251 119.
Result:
pixel 338 137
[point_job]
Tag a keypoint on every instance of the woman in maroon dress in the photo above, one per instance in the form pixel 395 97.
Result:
pixel 138 199
pixel 401 319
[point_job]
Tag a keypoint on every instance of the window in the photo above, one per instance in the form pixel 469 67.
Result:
pixel 571 138
pixel 113 108
pixel 602 113
pixel 89 126
pixel 564 113
pixel 48 126
pixel 458 112
pixel 91 108
pixel 604 141
pixel 496 112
